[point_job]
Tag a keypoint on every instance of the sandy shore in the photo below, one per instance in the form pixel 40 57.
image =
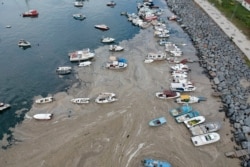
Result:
pixel 117 134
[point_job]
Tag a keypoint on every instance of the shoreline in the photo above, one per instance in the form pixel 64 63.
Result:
pixel 117 134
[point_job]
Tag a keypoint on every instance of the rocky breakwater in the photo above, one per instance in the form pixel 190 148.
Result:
pixel 224 64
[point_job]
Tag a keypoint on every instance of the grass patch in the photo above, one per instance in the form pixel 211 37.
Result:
pixel 236 13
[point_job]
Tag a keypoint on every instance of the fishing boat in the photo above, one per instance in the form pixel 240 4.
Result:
pixel 107 40
pixel 116 48
pixel 158 121
pixel 183 87
pixel 43 116
pixel 4 106
pixel 31 13
pixel 80 100
pixel 181 110
pixel 167 94
pixel 44 100
pixel 111 4
pixel 106 97
pixel 205 128
pixel 194 121
pixel 85 63
pixel 155 163
pixel 180 67
pixel 116 65
pixel 102 27
pixel 184 117
pixel 81 55
pixel 79 16
pixel 78 3
pixel 63 70
pixel 155 57
pixel 23 43
pixel 204 139
pixel 189 99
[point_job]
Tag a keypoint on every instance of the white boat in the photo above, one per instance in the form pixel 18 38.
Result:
pixel 179 75
pixel 180 67
pixel 45 116
pixel 204 139
pixel 23 43
pixel 102 27
pixel 116 65
pixel 4 106
pixel 85 63
pixel 79 16
pixel 80 100
pixel 194 121
pixel 167 94
pixel 63 70
pixel 44 100
pixel 205 128
pixel 189 99
pixel 78 3
pixel 115 48
pixel 107 40
pixel 81 55
pixel 155 56
pixel 187 116
pixel 106 97
pixel 182 87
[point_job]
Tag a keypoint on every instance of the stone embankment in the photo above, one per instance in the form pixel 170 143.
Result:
pixel 223 63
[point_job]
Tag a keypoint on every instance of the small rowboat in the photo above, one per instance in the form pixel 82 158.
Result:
pixel 44 100
pixel 158 121
pixel 45 116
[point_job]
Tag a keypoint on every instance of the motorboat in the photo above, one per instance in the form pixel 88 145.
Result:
pixel 102 27
pixel 81 55
pixel 167 94
pixel 184 117
pixel 115 48
pixel 78 3
pixel 180 67
pixel 63 70
pixel 155 57
pixel 79 16
pixel 181 110
pixel 4 106
pixel 85 63
pixel 194 121
pixel 43 116
pixel 44 100
pixel 31 13
pixel 182 87
pixel 189 99
pixel 106 97
pixel 107 40
pixel 158 121
pixel 147 162
pixel 23 43
pixel 204 139
pixel 162 41
pixel 111 4
pixel 116 65
pixel 204 128
pixel 80 100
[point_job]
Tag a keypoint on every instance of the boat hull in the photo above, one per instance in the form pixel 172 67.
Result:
pixel 45 116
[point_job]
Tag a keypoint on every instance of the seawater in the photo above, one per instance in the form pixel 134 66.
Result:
pixel 53 34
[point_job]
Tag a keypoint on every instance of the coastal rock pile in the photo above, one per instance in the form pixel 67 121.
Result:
pixel 224 64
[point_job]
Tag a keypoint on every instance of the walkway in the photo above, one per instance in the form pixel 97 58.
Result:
pixel 238 37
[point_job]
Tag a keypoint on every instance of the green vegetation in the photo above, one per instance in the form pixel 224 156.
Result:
pixel 236 13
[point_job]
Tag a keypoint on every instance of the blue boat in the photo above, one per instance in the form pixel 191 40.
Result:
pixel 181 110
pixel 155 163
pixel 158 121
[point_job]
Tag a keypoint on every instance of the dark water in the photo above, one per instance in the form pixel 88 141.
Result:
pixel 54 33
